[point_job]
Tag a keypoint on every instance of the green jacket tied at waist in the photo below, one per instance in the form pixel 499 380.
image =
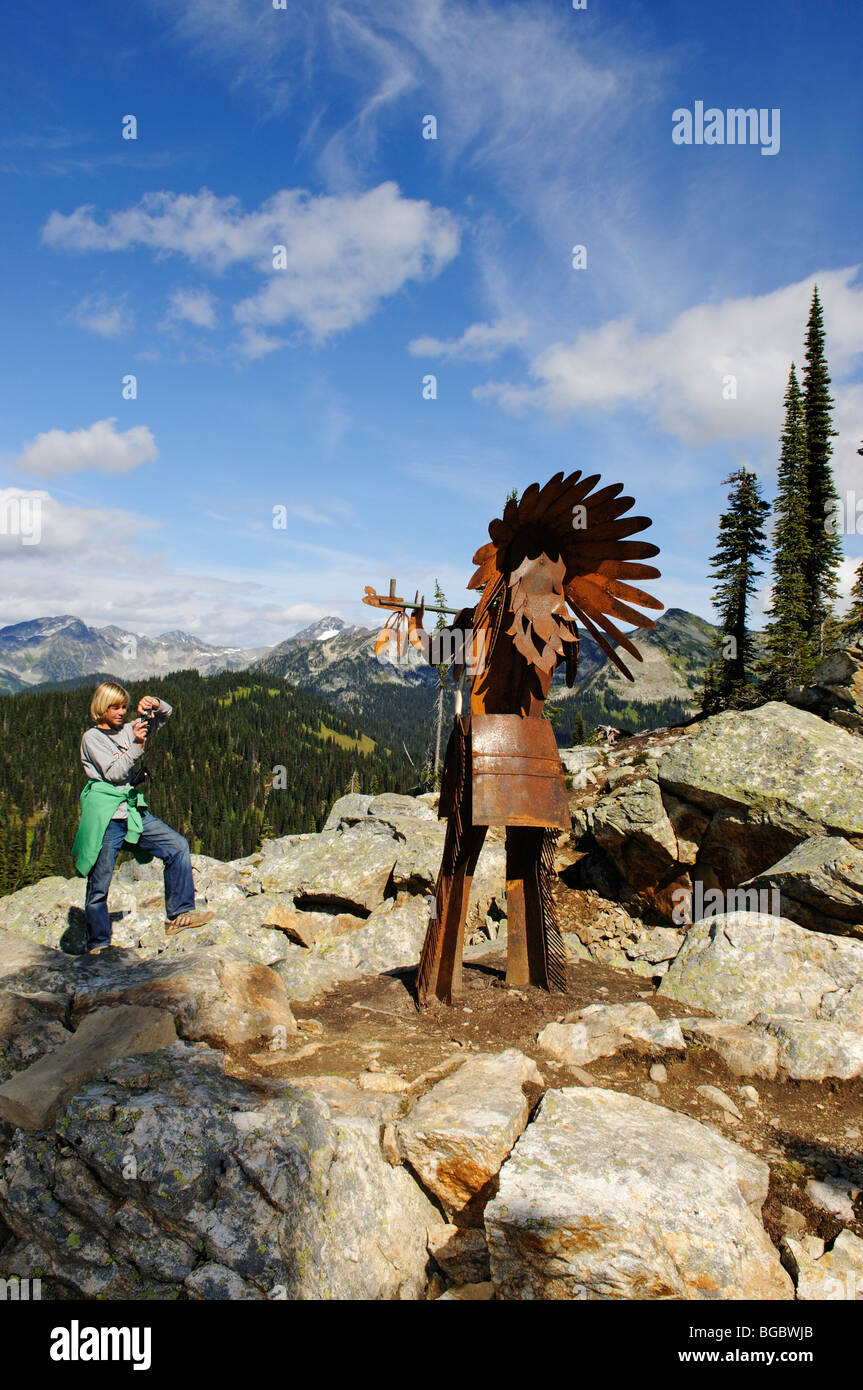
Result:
pixel 99 801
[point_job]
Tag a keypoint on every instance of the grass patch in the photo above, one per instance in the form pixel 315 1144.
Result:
pixel 363 744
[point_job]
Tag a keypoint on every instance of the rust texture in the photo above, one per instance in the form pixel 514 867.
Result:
pixel 558 557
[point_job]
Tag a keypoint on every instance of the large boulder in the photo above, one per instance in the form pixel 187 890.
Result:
pixel 632 826
pixel 459 1133
pixel 723 802
pixel 820 884
pixel 635 816
pixel 169 1177
pixel 344 870
pixel 740 964
pixel 214 996
pixel 811 1049
pixel 772 768
pixel 391 937
pixel 727 800
pixel 601 1030
pixel 608 1196
pixel 307 975
pixel 33 1098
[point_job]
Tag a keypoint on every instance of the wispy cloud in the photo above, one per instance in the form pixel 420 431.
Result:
pixel 197 307
pixel 66 572
pixel 109 318
pixel 481 342
pixel 534 106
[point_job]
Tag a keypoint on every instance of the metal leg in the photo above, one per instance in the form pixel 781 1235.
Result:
pixel 535 952
pixel 440 964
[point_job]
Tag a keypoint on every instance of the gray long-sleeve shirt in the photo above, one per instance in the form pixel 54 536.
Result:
pixel 110 757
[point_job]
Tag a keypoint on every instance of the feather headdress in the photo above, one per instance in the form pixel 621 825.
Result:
pixel 588 561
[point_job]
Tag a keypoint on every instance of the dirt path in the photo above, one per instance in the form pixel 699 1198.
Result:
pixel 802 1129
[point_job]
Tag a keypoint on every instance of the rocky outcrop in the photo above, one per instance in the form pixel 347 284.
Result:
pixel 820 885
pixel 214 996
pixel 727 800
pixel 789 1001
pixel 161 1176
pixel 609 1196
pixel 33 1098
pixel 170 1177
pixel 356 895
pixel 771 766
pixel 836 692
pixel 803 974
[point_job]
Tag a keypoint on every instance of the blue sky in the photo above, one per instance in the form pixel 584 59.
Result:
pixel 260 387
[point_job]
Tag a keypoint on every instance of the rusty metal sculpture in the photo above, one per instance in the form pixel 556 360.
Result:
pixel 562 544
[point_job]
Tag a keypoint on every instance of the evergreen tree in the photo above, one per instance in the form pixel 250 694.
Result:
pixel 741 543
pixel 790 654
pixel 851 627
pixel 824 554
pixel 12 868
pixel 579 733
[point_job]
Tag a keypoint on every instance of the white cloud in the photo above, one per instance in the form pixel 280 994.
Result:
pixel 99 314
pixel 72 542
pixel 100 564
pixel 675 377
pixel 343 254
pixel 100 447
pixel 198 307
pixel 478 343
pixel 534 104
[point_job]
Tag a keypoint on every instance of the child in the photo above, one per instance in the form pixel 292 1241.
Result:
pixel 114 813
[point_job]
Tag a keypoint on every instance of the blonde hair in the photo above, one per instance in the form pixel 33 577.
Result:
pixel 104 696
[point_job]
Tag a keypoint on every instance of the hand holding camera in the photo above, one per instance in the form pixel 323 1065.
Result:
pixel 147 706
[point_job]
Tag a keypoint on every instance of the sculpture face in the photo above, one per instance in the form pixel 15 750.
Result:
pixel 540 626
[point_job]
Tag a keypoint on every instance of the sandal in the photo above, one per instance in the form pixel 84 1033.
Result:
pixel 186 920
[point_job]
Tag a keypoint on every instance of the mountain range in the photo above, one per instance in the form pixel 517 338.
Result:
pixel 49 650
pixel 336 659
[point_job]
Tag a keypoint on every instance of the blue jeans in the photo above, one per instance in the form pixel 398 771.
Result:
pixel 156 838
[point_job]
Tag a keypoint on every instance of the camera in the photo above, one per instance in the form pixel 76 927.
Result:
pixel 141 774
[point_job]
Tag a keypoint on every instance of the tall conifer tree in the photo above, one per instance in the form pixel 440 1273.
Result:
pixel 824 554
pixel 790 655
pixel 741 543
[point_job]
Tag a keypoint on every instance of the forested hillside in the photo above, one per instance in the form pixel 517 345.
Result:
pixel 211 764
